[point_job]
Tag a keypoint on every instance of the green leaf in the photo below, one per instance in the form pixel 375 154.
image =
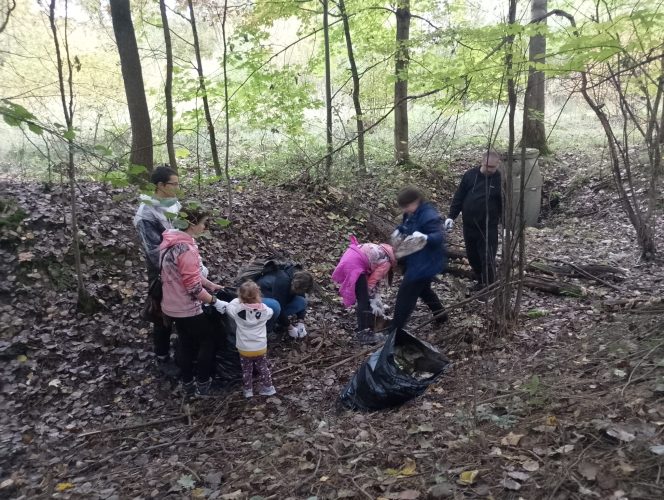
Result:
pixel 70 135
pixel 182 153
pixel 136 169
pixel 35 129
pixel 222 222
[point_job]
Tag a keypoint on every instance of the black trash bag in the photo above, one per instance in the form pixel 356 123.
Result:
pixel 227 366
pixel 400 370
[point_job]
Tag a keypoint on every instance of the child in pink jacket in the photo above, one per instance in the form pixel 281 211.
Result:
pixel 360 271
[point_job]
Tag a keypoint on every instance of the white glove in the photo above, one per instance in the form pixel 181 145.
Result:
pixel 220 306
pixel 417 234
pixel 301 330
pixel 377 306
pixel 449 224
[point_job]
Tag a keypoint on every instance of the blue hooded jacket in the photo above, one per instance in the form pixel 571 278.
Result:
pixel 432 259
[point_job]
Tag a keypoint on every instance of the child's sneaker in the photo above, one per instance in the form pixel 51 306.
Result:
pixel 267 391
pixel 248 393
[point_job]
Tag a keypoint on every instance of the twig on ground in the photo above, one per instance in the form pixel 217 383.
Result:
pixel 631 374
pixel 131 427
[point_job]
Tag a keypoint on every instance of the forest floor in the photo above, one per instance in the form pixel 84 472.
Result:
pixel 570 405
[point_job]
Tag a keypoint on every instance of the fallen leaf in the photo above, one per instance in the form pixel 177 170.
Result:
pixel 530 465
pixel 324 478
pixel 187 481
pixel 620 434
pixel 511 484
pixel 511 439
pixel 588 470
pixel 63 486
pixel 403 495
pixel 657 449
pixel 619 373
pixel 565 449
pixel 22 358
pixel 521 476
pixel 26 257
pixel 468 477
pixel 551 420
pixel 407 469
pixel 236 495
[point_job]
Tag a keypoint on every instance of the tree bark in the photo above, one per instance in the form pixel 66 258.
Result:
pixel 359 119
pixel 132 75
pixel 201 83
pixel 226 113
pixel 402 59
pixel 168 88
pixel 328 92
pixel 534 130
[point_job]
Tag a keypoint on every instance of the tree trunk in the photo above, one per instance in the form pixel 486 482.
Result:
pixel 503 303
pixel 402 59
pixel 201 83
pixel 130 63
pixel 534 133
pixel 356 89
pixel 6 15
pixel 168 88
pixel 328 92
pixel 85 301
pixel 226 113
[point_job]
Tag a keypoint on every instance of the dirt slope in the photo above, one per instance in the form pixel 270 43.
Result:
pixel 570 406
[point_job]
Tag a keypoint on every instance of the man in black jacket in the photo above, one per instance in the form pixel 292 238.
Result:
pixel 479 197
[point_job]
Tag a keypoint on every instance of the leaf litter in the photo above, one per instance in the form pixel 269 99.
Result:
pixel 86 412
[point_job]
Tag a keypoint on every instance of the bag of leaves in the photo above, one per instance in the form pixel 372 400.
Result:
pixel 400 370
pixel 260 267
pixel 227 368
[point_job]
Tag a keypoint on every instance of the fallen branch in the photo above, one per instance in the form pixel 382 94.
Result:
pixel 130 427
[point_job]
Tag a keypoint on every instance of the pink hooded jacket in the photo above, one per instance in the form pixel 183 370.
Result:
pixel 369 258
pixel 182 282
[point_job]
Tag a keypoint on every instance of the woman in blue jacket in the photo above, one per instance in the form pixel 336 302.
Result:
pixel 423 226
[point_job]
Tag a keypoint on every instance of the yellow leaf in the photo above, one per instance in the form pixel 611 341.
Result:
pixel 22 358
pixel 198 493
pixel 324 478
pixel 468 477
pixel 63 486
pixel 407 469
pixel 551 420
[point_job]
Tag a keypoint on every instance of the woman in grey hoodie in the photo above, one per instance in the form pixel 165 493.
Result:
pixel 153 217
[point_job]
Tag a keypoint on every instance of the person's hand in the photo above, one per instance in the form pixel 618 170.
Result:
pixel 377 306
pixel 216 287
pixel 220 306
pixel 417 234
pixel 449 224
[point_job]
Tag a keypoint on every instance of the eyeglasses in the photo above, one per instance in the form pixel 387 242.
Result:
pixel 172 183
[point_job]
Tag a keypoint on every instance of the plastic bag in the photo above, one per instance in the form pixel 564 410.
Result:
pixel 400 370
pixel 227 366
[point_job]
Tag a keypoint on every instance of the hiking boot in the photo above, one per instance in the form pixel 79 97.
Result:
pixel 167 367
pixel 369 337
pixel 267 391
pixel 248 393
pixel 189 388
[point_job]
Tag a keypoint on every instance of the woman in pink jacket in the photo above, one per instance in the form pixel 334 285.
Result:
pixel 185 290
pixel 359 272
